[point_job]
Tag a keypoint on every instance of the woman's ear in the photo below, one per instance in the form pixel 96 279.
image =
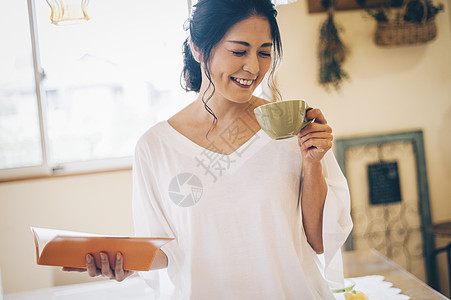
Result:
pixel 195 51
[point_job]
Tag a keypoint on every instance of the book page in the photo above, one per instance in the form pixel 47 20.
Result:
pixel 45 235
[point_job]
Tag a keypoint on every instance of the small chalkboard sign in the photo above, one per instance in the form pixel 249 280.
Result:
pixel 383 179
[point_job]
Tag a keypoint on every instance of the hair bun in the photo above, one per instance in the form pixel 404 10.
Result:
pixel 191 69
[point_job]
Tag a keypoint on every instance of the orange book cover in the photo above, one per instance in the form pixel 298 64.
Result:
pixel 69 248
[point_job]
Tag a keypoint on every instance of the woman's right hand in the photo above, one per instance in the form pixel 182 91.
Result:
pixel 115 272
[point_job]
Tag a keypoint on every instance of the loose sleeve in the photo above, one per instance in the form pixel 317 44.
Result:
pixel 149 213
pixel 337 222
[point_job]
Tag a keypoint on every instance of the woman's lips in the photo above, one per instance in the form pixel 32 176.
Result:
pixel 245 83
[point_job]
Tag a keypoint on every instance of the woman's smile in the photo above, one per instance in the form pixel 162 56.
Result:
pixel 241 82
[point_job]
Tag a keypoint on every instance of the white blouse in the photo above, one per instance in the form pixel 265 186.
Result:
pixel 236 218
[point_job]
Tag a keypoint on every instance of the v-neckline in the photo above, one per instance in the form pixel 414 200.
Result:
pixel 258 135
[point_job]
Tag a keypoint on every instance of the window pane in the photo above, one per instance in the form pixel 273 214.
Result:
pixel 20 144
pixel 112 77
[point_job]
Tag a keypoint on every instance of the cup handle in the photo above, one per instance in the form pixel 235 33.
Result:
pixel 308 121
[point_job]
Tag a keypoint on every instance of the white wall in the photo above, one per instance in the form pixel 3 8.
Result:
pixel 390 90
pixel 98 203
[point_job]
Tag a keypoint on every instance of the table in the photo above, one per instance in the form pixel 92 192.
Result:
pixel 443 230
pixel 370 262
pixel 133 288
pixel 356 264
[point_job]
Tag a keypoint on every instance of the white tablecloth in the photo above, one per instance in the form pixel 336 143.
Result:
pixel 375 288
pixel 136 289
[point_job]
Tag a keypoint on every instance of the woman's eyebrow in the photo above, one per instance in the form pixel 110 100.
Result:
pixel 248 45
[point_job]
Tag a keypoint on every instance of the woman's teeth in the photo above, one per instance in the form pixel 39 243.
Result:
pixel 243 81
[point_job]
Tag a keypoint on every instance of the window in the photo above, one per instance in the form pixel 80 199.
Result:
pixel 20 143
pixel 100 84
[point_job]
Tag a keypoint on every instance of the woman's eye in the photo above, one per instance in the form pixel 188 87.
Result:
pixel 265 54
pixel 239 53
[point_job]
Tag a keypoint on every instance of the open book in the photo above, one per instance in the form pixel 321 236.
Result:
pixel 68 248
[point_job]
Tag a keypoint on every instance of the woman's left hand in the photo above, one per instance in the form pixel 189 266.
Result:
pixel 316 138
pixel 110 270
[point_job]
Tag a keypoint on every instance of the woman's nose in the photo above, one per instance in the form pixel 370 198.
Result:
pixel 251 64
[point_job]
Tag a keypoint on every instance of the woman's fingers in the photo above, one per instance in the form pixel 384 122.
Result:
pixel 315 127
pixel 321 144
pixel 106 269
pixel 119 268
pixel 91 266
pixel 315 113
pixel 315 136
pixel 121 274
pixel 315 131
pixel 105 266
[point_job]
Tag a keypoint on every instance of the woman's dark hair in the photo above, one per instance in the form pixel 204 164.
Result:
pixel 210 21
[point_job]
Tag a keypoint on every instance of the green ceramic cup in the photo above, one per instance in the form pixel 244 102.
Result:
pixel 282 119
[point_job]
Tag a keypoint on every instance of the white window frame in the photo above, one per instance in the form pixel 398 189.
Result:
pixel 47 169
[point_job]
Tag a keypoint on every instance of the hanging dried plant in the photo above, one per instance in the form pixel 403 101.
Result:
pixel 331 53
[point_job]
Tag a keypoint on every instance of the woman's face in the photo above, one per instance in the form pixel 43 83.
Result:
pixel 241 59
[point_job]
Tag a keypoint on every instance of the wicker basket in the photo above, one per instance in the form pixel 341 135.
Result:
pixel 398 32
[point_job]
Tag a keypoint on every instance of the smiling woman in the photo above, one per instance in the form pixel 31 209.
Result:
pixel 99 87
pixel 204 178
